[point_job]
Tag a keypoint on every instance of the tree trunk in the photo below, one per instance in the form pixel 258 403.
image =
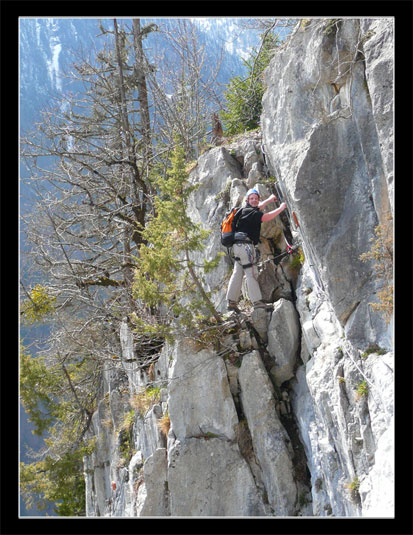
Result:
pixel 142 95
pixel 198 284
pixel 139 208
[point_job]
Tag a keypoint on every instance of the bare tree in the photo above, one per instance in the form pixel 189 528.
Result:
pixel 141 72
pixel 184 86
pixel 264 24
pixel 84 230
pixel 92 202
pixel 90 161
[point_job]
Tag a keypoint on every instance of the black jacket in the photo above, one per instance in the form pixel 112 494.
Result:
pixel 249 221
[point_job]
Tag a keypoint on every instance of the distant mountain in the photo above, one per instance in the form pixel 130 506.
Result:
pixel 45 50
pixel 46 47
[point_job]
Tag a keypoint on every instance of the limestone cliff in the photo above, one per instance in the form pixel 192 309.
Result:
pixel 277 423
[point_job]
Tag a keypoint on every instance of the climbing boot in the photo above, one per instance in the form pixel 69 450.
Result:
pixel 261 304
pixel 232 307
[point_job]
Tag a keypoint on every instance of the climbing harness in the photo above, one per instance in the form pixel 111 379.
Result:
pixel 244 266
pixel 291 249
pixel 252 262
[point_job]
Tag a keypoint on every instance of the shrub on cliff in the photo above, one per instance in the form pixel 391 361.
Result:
pixel 381 253
pixel 244 95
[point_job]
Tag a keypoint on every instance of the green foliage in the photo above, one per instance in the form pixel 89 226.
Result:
pixel 153 392
pixel 167 234
pixel 145 399
pixel 38 388
pixel 126 437
pixel 373 348
pixel 128 420
pixel 244 96
pixel 210 265
pixel 362 390
pixel 46 391
pixel 165 274
pixel 56 480
pixel 353 488
pixel 297 259
pixel 38 305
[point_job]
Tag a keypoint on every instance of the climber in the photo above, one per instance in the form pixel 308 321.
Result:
pixel 247 236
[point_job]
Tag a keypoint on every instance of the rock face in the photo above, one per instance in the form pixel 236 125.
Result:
pixel 294 417
pixel 272 445
pixel 321 133
pixel 203 471
pixel 211 410
pixel 283 340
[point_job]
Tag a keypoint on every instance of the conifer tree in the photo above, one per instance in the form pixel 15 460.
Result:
pixel 166 278
pixel 244 95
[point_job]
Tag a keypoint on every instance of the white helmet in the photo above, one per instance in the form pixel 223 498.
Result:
pixel 251 191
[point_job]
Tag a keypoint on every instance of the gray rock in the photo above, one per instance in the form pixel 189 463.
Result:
pixel 146 433
pixel 209 477
pixel 97 466
pixel 200 399
pixel 329 160
pixel 377 37
pixel 254 175
pixel 377 490
pixel 259 319
pixel 271 443
pixel 328 136
pixel 283 340
pixel 156 483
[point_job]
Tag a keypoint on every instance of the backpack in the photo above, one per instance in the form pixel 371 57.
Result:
pixel 229 225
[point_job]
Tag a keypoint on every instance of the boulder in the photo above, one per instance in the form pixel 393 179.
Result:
pixel 200 400
pixel 155 473
pixel 271 443
pixel 209 477
pixel 259 319
pixel 283 340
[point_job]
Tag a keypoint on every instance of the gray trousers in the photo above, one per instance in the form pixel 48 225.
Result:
pixel 247 255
